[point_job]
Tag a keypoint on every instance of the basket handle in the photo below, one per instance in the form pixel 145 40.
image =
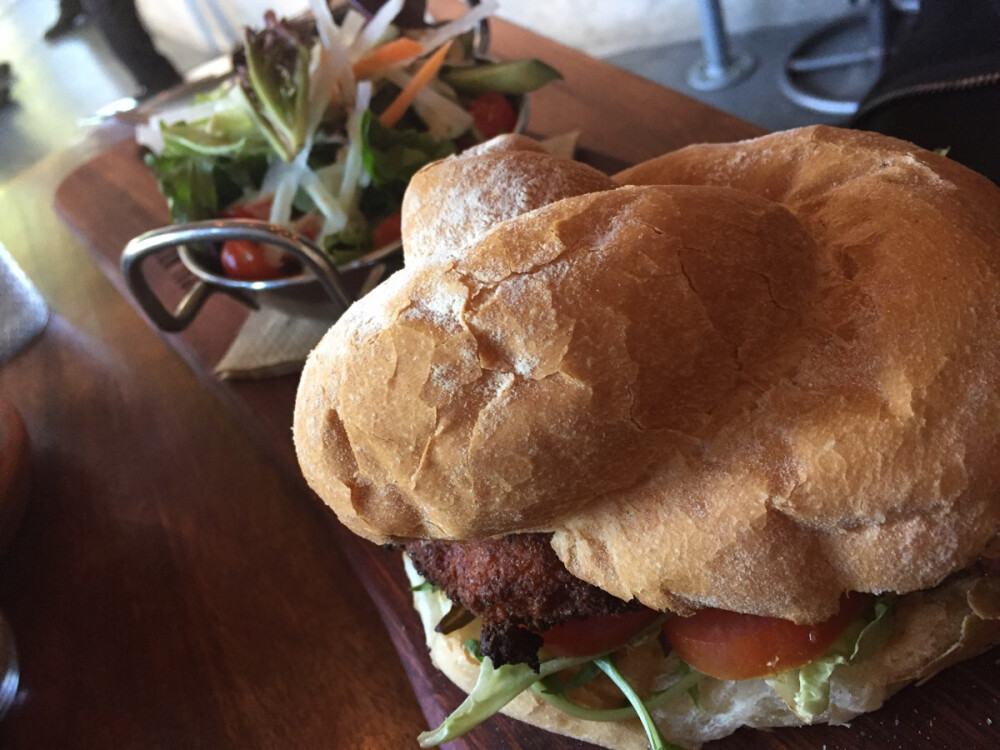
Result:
pixel 143 247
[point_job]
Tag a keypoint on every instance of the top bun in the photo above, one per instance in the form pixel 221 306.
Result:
pixel 768 374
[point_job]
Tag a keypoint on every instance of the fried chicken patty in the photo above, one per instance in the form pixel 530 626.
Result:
pixel 517 587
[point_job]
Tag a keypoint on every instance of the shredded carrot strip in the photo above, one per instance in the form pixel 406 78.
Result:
pixel 388 54
pixel 422 77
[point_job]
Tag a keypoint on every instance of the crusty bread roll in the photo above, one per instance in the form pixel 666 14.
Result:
pixel 770 381
pixel 450 204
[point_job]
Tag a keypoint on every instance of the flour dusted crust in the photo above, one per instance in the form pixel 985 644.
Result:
pixel 769 376
pixel 450 204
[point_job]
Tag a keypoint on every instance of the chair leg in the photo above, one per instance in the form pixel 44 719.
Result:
pixel 719 67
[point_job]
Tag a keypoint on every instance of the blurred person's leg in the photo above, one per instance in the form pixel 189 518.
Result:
pixel 6 82
pixel 128 38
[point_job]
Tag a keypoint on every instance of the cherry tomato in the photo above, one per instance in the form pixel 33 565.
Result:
pixel 388 230
pixel 259 209
pixel 596 634
pixel 734 646
pixel 251 261
pixel 492 114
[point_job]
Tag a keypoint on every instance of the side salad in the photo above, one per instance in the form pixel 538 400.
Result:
pixel 325 121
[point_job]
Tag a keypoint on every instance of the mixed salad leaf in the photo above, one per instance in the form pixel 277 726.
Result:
pixel 327 118
pixel 275 82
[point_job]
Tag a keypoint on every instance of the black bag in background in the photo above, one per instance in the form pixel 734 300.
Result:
pixel 940 84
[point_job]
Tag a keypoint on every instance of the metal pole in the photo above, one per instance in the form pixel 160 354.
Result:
pixel 719 67
pixel 714 43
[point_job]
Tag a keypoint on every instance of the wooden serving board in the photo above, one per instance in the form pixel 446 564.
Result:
pixel 958 708
pixel 112 198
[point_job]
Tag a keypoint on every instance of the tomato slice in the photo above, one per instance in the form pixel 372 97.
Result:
pixel 492 114
pixel 258 209
pixel 388 230
pixel 734 646
pixel 250 261
pixel 595 634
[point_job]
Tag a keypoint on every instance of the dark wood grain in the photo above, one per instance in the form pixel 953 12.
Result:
pixel 173 584
pixel 15 471
pixel 169 585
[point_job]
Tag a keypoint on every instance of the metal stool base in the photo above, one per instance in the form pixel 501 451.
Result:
pixel 704 77
pixel 804 62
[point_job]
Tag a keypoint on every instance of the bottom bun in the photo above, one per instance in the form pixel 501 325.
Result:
pixel 930 630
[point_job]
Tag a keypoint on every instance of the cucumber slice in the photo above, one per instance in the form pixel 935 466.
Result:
pixel 511 77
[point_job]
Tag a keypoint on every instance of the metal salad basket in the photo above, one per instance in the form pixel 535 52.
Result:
pixel 320 290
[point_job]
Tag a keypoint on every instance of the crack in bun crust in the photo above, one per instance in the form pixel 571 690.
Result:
pixel 753 376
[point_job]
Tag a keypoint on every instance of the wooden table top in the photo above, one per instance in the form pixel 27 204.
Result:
pixel 173 583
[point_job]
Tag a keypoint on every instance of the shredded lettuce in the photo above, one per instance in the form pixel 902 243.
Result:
pixel 424 586
pixel 495 688
pixel 806 689
pixel 687 680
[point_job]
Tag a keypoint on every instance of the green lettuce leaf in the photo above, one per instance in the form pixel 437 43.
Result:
pixel 349 243
pixel 685 683
pixel 806 689
pixel 188 185
pixel 394 156
pixel 198 187
pixel 495 688
pixel 231 133
pixel 556 685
